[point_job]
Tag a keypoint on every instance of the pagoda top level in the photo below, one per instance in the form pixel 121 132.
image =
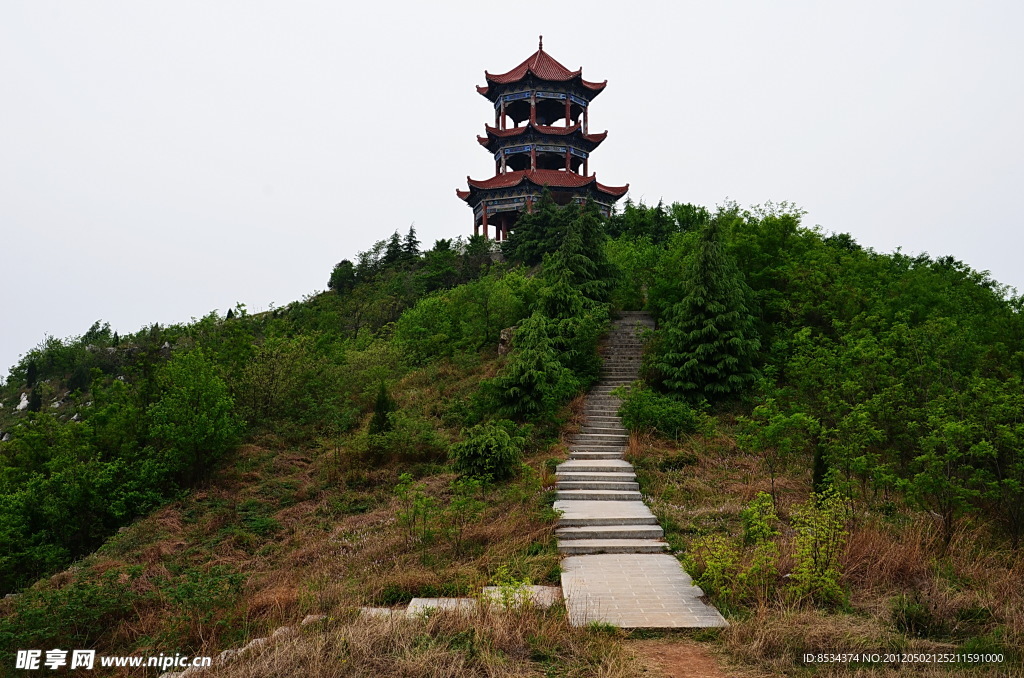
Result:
pixel 542 67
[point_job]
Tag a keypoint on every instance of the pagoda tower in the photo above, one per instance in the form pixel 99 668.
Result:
pixel 539 140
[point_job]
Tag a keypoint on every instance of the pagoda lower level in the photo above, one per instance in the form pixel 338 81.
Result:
pixel 540 141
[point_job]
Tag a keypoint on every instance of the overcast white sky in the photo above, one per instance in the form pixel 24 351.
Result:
pixel 159 160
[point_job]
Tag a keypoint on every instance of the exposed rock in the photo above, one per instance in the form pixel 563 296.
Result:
pixel 505 340
pixel 76 417
pixel 284 632
pixel 225 656
pixel 122 530
pixel 7 436
pixel 312 619
pixel 56 403
pixel 24 402
pixel 255 643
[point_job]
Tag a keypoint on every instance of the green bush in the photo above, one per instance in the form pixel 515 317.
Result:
pixel 643 410
pixel 490 450
pixel 820 538
pixel 759 519
pixel 535 381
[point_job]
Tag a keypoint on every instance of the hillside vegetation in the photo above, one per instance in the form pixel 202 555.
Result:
pixel 832 438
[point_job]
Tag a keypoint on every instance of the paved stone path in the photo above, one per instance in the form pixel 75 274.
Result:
pixel 617 571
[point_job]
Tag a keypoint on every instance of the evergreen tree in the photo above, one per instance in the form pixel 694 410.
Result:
pixel 230 315
pixel 411 245
pixel 582 252
pixel 393 250
pixel 537 232
pixel 343 277
pixel 706 346
pixel 116 341
pixel 380 423
pixel 31 373
pixel 35 400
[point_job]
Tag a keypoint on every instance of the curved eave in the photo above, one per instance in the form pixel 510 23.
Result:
pixel 492 88
pixel 540 178
pixel 494 134
pixel 615 191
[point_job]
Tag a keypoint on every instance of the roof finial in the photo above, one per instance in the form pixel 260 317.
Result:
pixel 540 45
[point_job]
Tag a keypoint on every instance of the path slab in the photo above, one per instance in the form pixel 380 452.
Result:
pixel 538 596
pixel 578 513
pixel 634 591
pixel 422 605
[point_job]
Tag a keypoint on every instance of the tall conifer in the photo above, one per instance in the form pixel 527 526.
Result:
pixel 707 343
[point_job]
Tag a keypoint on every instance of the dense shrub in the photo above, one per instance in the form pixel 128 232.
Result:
pixel 493 450
pixel 644 410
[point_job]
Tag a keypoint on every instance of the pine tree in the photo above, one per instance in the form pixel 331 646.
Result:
pixel 411 245
pixel 116 341
pixel 393 251
pixel 35 400
pixel 31 374
pixel 707 345
pixel 380 423
pixel 537 232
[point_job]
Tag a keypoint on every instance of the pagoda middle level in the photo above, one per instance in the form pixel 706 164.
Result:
pixel 540 140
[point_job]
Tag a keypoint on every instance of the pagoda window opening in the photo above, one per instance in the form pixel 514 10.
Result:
pixel 516 162
pixel 517 111
pixel 548 160
pixel 551 112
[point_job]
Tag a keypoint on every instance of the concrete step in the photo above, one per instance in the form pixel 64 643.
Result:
pixel 594 466
pixel 596 485
pixel 590 456
pixel 582 442
pixel 579 547
pixel 611 532
pixel 604 477
pixel 594 429
pixel 582 512
pixel 598 495
pixel 597 447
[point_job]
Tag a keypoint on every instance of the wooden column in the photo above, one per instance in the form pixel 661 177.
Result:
pixel 533 156
pixel 568 112
pixel 484 206
pixel 585 120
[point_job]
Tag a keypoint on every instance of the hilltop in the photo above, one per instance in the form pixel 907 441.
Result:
pixel 829 436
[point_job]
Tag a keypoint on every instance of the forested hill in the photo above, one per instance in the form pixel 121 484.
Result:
pixel 891 382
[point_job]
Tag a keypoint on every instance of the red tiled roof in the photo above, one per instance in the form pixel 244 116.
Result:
pixel 545 129
pixel 541 64
pixel 553 178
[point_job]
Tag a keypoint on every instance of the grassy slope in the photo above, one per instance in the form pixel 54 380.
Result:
pixel 283 531
pixel 903 593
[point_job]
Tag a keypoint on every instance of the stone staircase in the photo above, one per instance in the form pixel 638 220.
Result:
pixel 616 569
pixel 596 471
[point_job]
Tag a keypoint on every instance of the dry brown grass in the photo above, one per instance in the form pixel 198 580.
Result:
pixel 488 642
pixel 903 591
